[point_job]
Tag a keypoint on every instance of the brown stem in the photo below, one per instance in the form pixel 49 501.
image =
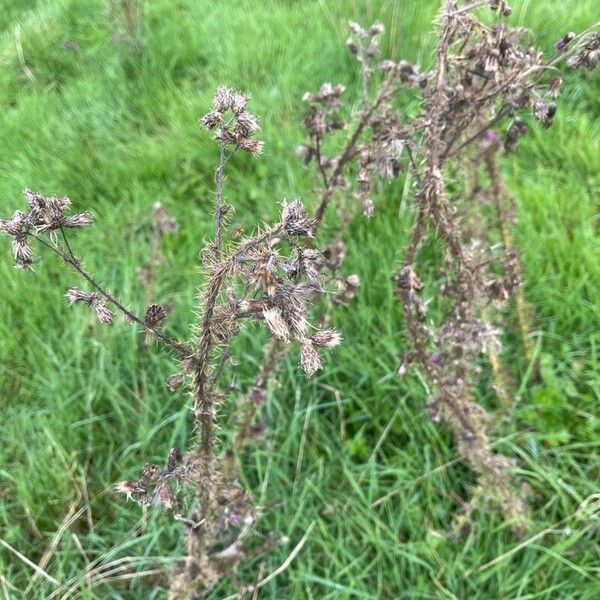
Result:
pixel 70 259
pixel 252 402
pixel 204 396
pixel 219 200
pixel 499 193
pixel 348 151
pixel 319 158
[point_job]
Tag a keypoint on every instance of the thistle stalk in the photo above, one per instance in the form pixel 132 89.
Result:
pixel 511 257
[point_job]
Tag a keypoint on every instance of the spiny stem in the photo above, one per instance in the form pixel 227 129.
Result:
pixel 219 200
pixel 203 393
pixel 272 357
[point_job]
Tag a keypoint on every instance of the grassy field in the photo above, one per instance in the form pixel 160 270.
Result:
pixel 351 449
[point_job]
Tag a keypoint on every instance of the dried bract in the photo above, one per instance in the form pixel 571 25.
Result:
pixel 104 315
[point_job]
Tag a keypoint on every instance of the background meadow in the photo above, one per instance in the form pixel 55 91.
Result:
pixel 352 449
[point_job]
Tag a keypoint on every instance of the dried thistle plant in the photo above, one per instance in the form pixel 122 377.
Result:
pixel 373 123
pixel 162 225
pixel 484 80
pixel 273 278
pixel 474 101
pixel 127 20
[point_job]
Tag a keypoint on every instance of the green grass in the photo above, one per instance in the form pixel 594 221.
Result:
pixel 84 406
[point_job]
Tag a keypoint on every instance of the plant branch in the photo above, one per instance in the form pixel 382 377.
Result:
pixel 70 259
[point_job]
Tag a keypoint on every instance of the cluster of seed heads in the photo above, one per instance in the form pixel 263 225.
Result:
pixel 45 216
pixel 475 104
pixel 231 123
pixel 587 55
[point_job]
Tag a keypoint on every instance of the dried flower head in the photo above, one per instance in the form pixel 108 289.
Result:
pixel 92 299
pixel 310 359
pixel 565 41
pixel 156 314
pixel 294 218
pixel 586 53
pixel 231 123
pixel 328 338
pixel 46 215
pixel 274 319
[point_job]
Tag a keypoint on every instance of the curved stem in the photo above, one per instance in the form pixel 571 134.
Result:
pixel 70 259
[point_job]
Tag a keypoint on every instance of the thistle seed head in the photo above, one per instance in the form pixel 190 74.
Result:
pixel 376 29
pixel 156 314
pixel 328 338
pixel 104 315
pixel 276 324
pixel 294 219
pixel 310 359
pixel 237 130
pixel 357 30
